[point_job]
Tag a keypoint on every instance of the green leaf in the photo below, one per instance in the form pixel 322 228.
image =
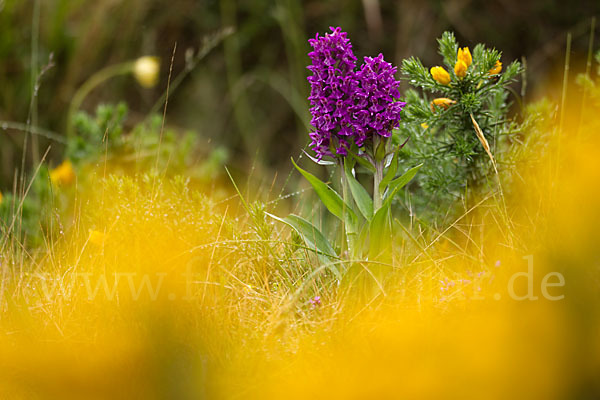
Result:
pixel 380 224
pixel 380 152
pixel 362 161
pixel 312 236
pixel 399 183
pixel 320 162
pixel 359 193
pixel 377 228
pixel 329 197
pixel 390 173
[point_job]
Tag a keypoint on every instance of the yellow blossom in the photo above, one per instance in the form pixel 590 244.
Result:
pixel 1 197
pixel 63 175
pixel 96 238
pixel 442 102
pixel 424 125
pixel 440 75
pixel 146 71
pixel 464 55
pixel 496 69
pixel 460 69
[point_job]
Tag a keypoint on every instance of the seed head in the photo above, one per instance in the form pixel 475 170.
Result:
pixel 146 70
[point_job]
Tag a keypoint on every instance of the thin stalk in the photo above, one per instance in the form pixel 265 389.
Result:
pixel 349 237
pixel 345 236
pixel 35 33
pixel 89 85
pixel 563 99
pixel 378 162
pixel 34 130
pixel 588 68
pixel 208 44
pixel 563 102
pixel 377 178
pixel 242 111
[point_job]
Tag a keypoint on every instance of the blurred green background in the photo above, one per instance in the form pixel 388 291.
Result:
pixel 248 94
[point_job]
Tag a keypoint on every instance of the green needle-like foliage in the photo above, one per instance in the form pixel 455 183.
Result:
pixel 438 120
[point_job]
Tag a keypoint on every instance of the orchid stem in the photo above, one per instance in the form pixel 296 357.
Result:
pixel 345 237
pixel 377 178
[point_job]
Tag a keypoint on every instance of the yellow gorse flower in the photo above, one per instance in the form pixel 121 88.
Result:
pixel 442 102
pixel 460 69
pixel 146 70
pixel 96 238
pixel 496 69
pixel 63 175
pixel 424 125
pixel 464 55
pixel 440 75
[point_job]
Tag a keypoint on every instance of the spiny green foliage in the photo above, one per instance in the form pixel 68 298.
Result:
pixel 444 140
pixel 96 134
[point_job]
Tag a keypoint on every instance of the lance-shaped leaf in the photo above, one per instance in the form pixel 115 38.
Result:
pixel 320 162
pixel 330 198
pixel 362 161
pixel 399 183
pixel 313 238
pixel 359 194
pixel 378 228
pixel 393 168
pixel 380 224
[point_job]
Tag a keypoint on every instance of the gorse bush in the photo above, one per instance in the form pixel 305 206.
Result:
pixel 96 134
pixel 457 121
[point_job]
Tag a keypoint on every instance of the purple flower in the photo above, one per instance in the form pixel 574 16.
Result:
pixel 376 108
pixel 349 106
pixel 333 84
